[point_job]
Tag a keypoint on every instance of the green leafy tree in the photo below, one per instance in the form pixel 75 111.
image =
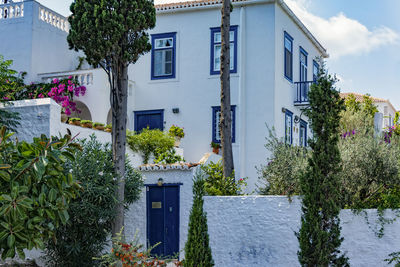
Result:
pixel 113 34
pixel 86 234
pixel 35 191
pixel 197 248
pixel 319 235
pixel 9 82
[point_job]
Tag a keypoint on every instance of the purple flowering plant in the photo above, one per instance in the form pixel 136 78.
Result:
pixel 62 91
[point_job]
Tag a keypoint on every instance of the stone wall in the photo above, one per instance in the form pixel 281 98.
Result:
pixel 259 231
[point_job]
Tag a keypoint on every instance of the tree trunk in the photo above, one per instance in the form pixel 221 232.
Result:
pixel 119 99
pixel 226 118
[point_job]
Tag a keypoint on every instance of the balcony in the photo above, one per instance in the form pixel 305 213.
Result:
pixel 301 94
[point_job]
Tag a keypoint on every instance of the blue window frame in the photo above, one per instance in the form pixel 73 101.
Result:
pixel 288 127
pixel 215 61
pixel 163 56
pixel 315 70
pixel 303 133
pixel 153 119
pixel 288 57
pixel 303 64
pixel 216 112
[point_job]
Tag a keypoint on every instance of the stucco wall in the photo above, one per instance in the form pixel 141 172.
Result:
pixel 259 231
pixel 135 218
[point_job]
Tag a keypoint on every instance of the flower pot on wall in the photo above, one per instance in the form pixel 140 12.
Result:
pixel 64 117
pixel 99 127
pixel 86 125
pixel 216 150
pixel 177 141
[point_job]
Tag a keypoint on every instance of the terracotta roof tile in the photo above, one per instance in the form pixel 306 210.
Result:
pixel 359 97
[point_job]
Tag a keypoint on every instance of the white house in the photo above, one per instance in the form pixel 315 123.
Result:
pixel 272 64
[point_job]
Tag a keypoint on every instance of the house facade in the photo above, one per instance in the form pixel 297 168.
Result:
pixel 273 62
pixel 384 106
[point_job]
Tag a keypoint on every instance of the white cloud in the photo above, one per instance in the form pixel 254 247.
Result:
pixel 342 35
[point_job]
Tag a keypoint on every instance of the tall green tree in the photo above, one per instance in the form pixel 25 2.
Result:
pixel 113 34
pixel 226 118
pixel 319 235
pixel 197 248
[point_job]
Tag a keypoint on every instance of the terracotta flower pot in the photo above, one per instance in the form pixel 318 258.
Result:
pixel 64 117
pixel 87 125
pixel 99 127
pixel 77 123
pixel 216 150
pixel 108 130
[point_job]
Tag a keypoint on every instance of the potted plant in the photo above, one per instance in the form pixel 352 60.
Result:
pixel 98 126
pixel 178 133
pixel 64 117
pixel 215 147
pixel 108 128
pixel 86 123
pixel 75 121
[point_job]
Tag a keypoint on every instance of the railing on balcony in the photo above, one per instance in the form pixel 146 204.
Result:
pixel 84 78
pixel 11 10
pixel 301 94
pixel 53 19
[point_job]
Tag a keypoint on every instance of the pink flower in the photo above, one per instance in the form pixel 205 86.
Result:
pixel 56 81
pixel 41 95
pixel 67 111
pixel 6 98
pixel 70 77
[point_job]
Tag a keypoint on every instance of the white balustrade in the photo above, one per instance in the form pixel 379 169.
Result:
pixel 11 10
pixel 53 19
pixel 82 78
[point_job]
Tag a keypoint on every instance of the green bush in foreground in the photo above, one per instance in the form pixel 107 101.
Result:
pixel 35 191
pixel 92 213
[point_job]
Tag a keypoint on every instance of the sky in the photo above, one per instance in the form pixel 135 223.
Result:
pixel 362 38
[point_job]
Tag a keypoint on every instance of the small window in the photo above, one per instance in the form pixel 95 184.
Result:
pixel 315 70
pixel 163 56
pixel 303 133
pixel 152 119
pixel 288 44
pixel 216 113
pixel 216 50
pixel 288 127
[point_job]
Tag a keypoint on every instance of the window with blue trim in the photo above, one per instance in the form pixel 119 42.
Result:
pixel 216 113
pixel 215 61
pixel 303 65
pixel 163 56
pixel 303 133
pixel 288 127
pixel 315 70
pixel 288 60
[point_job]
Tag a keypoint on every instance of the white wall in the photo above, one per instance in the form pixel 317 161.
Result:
pixel 259 231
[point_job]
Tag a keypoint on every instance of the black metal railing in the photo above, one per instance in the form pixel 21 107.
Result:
pixel 301 95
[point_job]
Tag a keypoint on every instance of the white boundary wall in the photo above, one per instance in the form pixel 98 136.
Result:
pixel 259 231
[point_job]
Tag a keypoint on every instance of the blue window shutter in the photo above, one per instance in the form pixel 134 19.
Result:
pixel 288 56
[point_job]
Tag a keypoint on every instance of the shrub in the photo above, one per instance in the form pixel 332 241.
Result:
pixel 168 157
pixel 150 142
pixel 86 122
pixel 74 119
pixel 286 163
pixel 35 191
pixel 98 124
pixel 92 214
pixel 197 248
pixel 130 254
pixel 216 184
pixel 176 131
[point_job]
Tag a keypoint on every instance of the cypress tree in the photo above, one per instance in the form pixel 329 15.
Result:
pixel 319 235
pixel 197 248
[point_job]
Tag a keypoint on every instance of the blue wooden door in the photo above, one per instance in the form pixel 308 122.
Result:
pixel 153 119
pixel 163 219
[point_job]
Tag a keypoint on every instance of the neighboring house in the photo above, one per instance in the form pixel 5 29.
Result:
pixel 384 106
pixel 273 62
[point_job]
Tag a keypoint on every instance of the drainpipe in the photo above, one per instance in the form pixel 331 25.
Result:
pixel 242 93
